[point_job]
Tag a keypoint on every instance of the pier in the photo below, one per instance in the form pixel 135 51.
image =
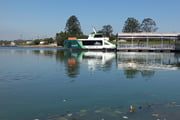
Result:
pixel 159 42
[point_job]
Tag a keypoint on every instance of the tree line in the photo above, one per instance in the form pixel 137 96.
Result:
pixel 23 42
pixel 73 28
pixel 132 25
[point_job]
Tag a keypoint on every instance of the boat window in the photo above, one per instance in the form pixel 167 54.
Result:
pixel 92 42
pixel 106 43
pixel 98 36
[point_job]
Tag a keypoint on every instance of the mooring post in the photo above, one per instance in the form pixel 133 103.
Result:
pixel 132 42
pixel 161 42
pixel 116 42
pixel 147 41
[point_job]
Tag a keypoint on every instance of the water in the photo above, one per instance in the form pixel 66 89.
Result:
pixel 51 84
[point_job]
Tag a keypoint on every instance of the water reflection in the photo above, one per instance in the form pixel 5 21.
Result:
pixel 94 60
pixel 38 81
pixel 146 63
pixel 132 63
pixel 98 60
pixel 72 63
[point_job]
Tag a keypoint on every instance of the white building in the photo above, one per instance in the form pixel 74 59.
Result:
pixel 13 43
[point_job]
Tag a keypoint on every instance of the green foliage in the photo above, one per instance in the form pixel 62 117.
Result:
pixel 73 26
pixel 72 29
pixel 131 25
pixel 4 42
pixel 82 37
pixel 48 40
pixel 131 73
pixel 112 37
pixel 60 37
pixel 37 41
pixel 148 25
pixel 20 42
pixel 100 31
pixel 107 30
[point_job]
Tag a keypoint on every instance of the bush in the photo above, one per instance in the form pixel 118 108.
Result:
pixel 36 42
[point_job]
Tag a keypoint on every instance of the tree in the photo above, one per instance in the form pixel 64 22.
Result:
pixel 73 26
pixel 37 41
pixel 48 40
pixel 60 37
pixel 131 25
pixel 130 73
pixel 148 25
pixel 107 30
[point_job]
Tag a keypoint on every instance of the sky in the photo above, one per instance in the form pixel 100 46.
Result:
pixel 34 19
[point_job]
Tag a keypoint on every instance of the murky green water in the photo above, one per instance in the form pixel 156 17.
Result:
pixel 50 84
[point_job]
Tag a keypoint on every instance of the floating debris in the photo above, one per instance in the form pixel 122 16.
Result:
pixel 69 114
pixel 36 119
pixel 140 107
pixel 82 114
pixel 118 112
pixel 132 109
pixel 155 115
pixel 64 100
pixel 83 111
pixel 125 117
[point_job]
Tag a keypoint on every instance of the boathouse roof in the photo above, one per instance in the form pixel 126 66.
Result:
pixel 150 35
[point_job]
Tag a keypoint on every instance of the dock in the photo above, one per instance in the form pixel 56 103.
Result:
pixel 145 48
pixel 140 42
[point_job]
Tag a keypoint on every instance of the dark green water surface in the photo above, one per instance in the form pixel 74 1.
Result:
pixel 51 84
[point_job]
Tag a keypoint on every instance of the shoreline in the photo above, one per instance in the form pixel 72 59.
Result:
pixel 40 46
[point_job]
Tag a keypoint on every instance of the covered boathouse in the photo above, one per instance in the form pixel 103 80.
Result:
pixel 148 42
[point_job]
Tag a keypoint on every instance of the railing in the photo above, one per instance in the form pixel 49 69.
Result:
pixel 146 46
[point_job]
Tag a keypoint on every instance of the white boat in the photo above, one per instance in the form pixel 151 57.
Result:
pixel 95 41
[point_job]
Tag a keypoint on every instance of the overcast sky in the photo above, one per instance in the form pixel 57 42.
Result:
pixel 32 19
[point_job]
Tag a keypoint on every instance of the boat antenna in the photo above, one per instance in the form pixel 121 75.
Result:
pixel 94 29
